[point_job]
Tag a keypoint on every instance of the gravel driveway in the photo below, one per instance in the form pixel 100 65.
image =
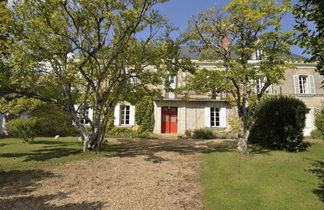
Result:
pixel 145 174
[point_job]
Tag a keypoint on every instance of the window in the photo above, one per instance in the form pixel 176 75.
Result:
pixel 304 84
pixel 214 117
pixel 85 114
pixel 124 115
pixel 170 86
pixel 85 121
pixel 256 55
pixel 259 85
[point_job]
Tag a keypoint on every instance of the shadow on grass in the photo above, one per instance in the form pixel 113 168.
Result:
pixel 318 170
pixel 55 142
pixel 41 203
pixel 43 154
pixel 149 147
pixel 256 149
pixel 1 145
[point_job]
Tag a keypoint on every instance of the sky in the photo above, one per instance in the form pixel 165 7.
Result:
pixel 179 12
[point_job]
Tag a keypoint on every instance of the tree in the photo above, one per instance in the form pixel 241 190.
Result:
pixel 69 52
pixel 229 37
pixel 309 16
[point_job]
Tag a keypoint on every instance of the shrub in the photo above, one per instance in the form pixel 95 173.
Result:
pixel 122 132
pixel 26 129
pixel 128 133
pixel 203 133
pixel 188 133
pixel 317 134
pixel 53 121
pixel 319 121
pixel 279 124
pixel 144 115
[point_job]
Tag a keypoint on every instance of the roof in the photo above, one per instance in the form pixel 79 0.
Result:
pixel 186 51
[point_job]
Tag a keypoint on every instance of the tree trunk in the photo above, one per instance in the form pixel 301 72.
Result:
pixel 86 141
pixel 242 145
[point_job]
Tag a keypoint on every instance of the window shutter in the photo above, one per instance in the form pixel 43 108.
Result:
pixel 222 117
pixel 90 114
pixel 311 84
pixel 131 115
pixel 207 117
pixel 296 84
pixel 269 89
pixel 116 115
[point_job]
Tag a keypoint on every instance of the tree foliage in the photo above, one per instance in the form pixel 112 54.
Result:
pixel 87 53
pixel 309 16
pixel 228 37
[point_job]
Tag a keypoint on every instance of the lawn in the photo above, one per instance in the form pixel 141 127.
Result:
pixel 264 179
pixel 43 152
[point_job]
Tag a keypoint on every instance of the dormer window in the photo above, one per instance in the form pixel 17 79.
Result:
pixel 256 55
pixel 172 84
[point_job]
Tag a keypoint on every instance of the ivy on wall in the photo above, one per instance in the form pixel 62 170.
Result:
pixel 144 115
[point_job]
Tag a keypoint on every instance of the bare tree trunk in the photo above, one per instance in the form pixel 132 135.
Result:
pixel 242 145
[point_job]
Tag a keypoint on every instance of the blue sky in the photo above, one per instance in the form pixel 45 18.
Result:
pixel 179 12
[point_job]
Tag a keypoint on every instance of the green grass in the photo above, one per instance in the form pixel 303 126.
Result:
pixel 265 179
pixel 43 153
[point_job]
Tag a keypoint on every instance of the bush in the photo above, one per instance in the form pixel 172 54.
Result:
pixel 122 132
pixel 53 121
pixel 203 133
pixel 26 129
pixel 279 125
pixel 188 133
pixel 319 122
pixel 317 134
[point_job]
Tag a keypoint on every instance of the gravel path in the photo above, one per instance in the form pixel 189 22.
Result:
pixel 145 174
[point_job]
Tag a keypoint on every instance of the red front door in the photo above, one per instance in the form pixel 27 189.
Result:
pixel 169 120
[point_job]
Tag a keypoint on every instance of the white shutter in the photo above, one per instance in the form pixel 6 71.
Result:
pixel 207 117
pixel 269 89
pixel 296 84
pixel 131 115
pixel 116 115
pixel 90 114
pixel 222 117
pixel 311 84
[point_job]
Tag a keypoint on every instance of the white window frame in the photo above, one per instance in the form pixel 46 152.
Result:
pixel 124 115
pixel 304 84
pixel 172 85
pixel 259 83
pixel 214 117
pixel 222 117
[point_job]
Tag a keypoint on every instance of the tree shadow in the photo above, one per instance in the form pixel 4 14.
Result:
pixel 257 149
pixel 318 170
pixel 55 142
pixel 149 147
pixel 21 181
pixel 43 154
pixel 41 203
pixel 1 145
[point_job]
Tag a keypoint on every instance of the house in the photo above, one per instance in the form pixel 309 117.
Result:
pixel 174 115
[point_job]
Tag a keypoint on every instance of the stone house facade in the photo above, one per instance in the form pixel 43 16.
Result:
pixel 175 115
